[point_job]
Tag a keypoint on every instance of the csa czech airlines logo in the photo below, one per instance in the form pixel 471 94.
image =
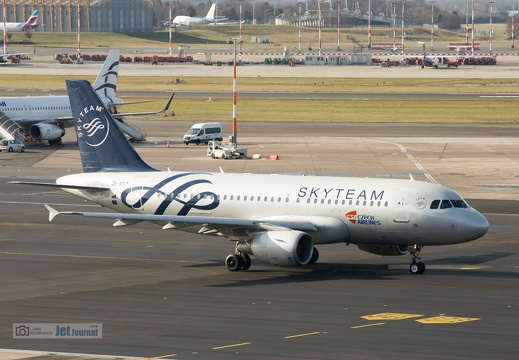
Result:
pixel 352 216
pixel 362 219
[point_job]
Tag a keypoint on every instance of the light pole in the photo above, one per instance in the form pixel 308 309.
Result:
pixel 369 24
pixel 513 29
pixel 234 133
pixel 170 26
pixel 472 46
pixel 403 32
pixel 394 27
pixel 338 25
pixel 320 24
pixel 467 24
pixel 490 48
pixel 432 24
pixel 299 40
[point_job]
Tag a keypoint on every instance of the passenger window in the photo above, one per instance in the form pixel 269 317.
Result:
pixel 435 204
pixel 445 204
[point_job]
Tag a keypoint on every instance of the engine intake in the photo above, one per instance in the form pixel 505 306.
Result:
pixel 281 248
pixel 41 132
pixel 384 250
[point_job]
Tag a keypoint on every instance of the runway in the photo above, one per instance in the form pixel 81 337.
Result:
pixel 167 295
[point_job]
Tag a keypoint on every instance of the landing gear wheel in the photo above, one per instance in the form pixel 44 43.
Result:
pixel 246 262
pixel 417 268
pixel 315 256
pixel 233 262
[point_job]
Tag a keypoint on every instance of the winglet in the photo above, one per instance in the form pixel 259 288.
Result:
pixel 52 212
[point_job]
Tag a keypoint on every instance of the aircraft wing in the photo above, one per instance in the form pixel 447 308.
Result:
pixel 208 225
pixel 164 109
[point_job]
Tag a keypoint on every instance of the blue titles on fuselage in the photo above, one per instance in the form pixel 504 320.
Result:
pixel 336 193
pixel 146 192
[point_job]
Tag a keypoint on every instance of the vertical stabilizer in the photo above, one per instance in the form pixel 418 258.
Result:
pixel 32 23
pixel 106 82
pixel 102 145
pixel 211 12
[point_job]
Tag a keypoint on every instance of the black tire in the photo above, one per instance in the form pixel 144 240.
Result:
pixel 315 256
pixel 10 149
pixel 415 268
pixel 246 262
pixel 421 265
pixel 186 142
pixel 212 155
pixel 233 262
pixel 197 142
pixel 22 149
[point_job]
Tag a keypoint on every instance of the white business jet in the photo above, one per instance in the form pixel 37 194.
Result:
pixel 279 219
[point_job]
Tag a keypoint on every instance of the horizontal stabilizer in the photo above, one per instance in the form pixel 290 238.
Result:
pixel 62 186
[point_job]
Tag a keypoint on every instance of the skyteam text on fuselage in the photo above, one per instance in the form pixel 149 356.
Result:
pixel 278 219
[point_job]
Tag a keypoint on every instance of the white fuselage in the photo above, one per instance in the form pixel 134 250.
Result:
pixel 352 210
pixel 35 108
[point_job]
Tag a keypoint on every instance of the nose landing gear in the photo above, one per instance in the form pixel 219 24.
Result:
pixel 417 267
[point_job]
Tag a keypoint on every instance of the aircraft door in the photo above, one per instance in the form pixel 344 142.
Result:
pixel 402 212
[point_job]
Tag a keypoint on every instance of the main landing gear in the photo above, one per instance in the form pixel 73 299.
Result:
pixel 237 262
pixel 417 267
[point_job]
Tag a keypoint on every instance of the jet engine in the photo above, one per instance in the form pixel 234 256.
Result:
pixel 282 248
pixel 384 250
pixel 46 132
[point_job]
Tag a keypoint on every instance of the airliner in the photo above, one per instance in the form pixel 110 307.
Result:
pixel 31 23
pixel 183 20
pixel 44 118
pixel 278 219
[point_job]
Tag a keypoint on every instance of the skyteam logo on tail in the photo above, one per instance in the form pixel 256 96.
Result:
pixel 92 126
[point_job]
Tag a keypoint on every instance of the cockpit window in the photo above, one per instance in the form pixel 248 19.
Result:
pixel 459 204
pixel 445 204
pixel 435 204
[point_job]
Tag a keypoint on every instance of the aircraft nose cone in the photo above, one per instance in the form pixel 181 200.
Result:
pixel 477 225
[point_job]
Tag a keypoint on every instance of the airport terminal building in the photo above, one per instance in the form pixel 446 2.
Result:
pixel 120 16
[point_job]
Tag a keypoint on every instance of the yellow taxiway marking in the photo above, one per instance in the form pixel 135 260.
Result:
pixel 300 335
pixel 390 316
pixel 161 357
pixel 446 320
pixel 367 325
pixel 230 346
pixel 443 267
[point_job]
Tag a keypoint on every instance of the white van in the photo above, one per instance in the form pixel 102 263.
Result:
pixel 203 133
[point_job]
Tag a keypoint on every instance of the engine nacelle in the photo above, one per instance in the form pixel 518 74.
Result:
pixel 282 248
pixel 46 131
pixel 384 250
